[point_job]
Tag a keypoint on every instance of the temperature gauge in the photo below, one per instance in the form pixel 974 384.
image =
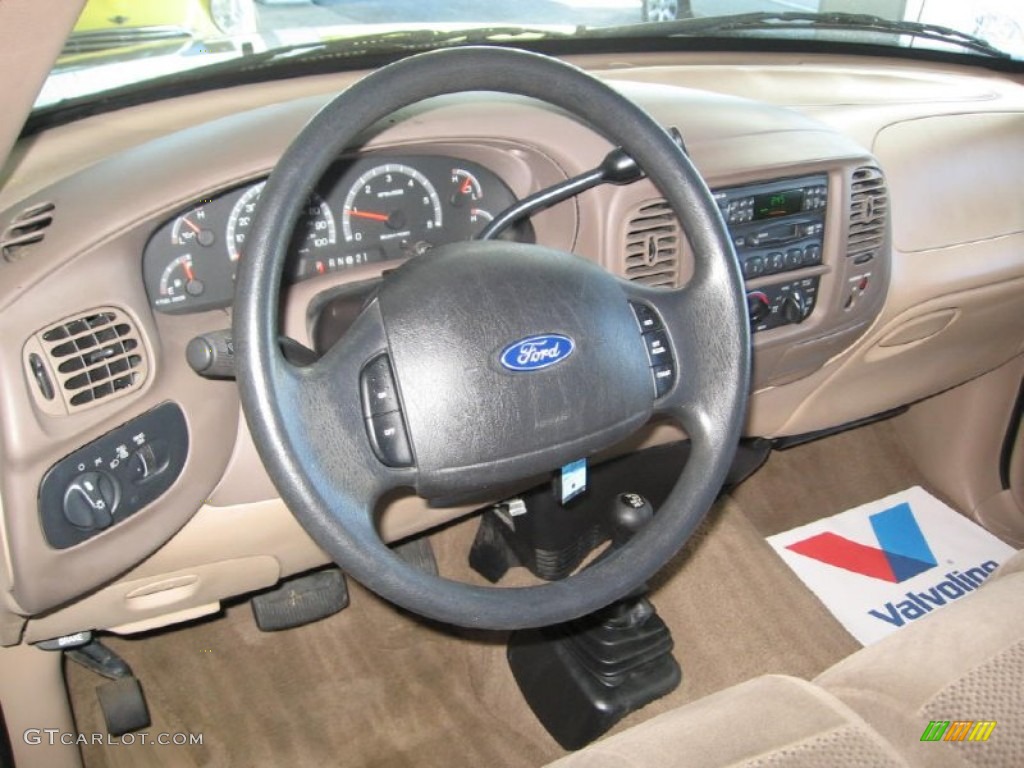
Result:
pixel 465 189
pixel 190 228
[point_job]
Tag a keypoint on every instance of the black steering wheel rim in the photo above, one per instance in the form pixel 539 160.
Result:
pixel 711 308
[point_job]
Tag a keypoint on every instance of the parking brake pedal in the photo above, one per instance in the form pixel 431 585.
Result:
pixel 122 700
pixel 301 600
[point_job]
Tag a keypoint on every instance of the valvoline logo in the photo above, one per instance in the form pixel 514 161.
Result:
pixel 886 563
pixel 537 352
pixel 902 554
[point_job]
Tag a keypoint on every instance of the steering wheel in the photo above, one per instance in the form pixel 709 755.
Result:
pixel 482 363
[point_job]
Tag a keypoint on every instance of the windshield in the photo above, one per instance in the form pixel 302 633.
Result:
pixel 122 43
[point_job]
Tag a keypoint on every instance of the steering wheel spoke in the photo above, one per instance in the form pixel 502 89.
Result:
pixel 686 347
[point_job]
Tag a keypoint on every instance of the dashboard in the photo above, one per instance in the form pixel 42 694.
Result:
pixel 876 276
pixel 365 210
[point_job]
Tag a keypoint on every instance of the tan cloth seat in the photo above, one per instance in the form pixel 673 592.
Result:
pixel 963 663
pixel 769 721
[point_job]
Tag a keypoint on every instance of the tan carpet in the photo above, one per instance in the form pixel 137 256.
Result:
pixel 828 476
pixel 373 686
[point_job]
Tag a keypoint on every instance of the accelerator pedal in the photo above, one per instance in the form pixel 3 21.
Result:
pixel 301 600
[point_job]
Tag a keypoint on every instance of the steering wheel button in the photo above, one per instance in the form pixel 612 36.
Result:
pixel 377 385
pixel 658 350
pixel 646 316
pixel 388 439
pixel 664 378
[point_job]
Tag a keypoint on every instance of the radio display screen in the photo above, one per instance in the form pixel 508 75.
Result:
pixel 776 204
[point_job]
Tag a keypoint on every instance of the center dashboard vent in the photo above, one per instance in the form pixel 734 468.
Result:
pixel 92 357
pixel 869 214
pixel 653 244
pixel 27 228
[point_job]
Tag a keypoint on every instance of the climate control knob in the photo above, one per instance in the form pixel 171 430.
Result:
pixel 758 306
pixel 90 500
pixel 794 308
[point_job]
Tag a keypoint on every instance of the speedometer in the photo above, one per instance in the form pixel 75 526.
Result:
pixel 391 205
pixel 315 231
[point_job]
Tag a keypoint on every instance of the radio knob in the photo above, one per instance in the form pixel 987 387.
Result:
pixel 794 308
pixel 758 306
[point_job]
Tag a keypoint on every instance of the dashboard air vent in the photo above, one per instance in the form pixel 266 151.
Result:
pixel 93 356
pixel 653 245
pixel 27 228
pixel 869 213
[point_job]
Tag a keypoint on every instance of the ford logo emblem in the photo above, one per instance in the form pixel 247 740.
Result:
pixel 537 352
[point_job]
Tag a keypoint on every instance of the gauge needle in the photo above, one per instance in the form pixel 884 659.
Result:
pixel 368 215
pixel 194 227
pixel 187 266
pixel 466 186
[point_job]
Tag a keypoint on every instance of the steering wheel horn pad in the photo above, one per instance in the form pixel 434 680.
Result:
pixel 472 421
pixel 448 320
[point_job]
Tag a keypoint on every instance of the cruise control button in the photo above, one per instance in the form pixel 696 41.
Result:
pixel 664 378
pixel 377 385
pixel 388 439
pixel 658 350
pixel 646 316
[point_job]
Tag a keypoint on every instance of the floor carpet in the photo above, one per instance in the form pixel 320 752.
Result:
pixel 373 686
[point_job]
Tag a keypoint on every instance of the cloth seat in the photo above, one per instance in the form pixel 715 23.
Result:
pixel 963 663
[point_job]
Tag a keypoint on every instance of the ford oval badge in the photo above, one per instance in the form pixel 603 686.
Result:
pixel 537 352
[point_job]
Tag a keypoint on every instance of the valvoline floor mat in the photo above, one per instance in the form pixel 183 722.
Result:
pixel 886 564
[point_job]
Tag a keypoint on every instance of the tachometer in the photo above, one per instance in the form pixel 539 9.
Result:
pixel 391 207
pixel 314 231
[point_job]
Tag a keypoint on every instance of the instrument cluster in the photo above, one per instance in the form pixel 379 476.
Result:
pixel 370 209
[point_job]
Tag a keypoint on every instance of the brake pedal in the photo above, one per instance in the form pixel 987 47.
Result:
pixel 122 701
pixel 124 706
pixel 301 600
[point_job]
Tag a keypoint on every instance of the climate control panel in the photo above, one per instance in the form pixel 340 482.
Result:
pixel 787 303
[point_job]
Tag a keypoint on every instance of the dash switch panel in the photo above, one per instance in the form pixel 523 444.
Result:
pixel 113 477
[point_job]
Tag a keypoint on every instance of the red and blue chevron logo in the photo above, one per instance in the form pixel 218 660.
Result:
pixel 901 554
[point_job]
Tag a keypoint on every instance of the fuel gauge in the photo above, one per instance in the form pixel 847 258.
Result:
pixel 178 282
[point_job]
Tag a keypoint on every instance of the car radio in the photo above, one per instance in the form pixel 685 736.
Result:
pixel 776 227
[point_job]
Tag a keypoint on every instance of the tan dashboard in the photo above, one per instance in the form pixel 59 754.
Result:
pixel 883 265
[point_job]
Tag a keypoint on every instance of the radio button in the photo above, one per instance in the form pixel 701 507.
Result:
pixel 754 266
pixel 812 255
pixel 776 262
pixel 794 258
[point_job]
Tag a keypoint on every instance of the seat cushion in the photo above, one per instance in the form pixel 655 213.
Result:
pixel 963 663
pixel 769 721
